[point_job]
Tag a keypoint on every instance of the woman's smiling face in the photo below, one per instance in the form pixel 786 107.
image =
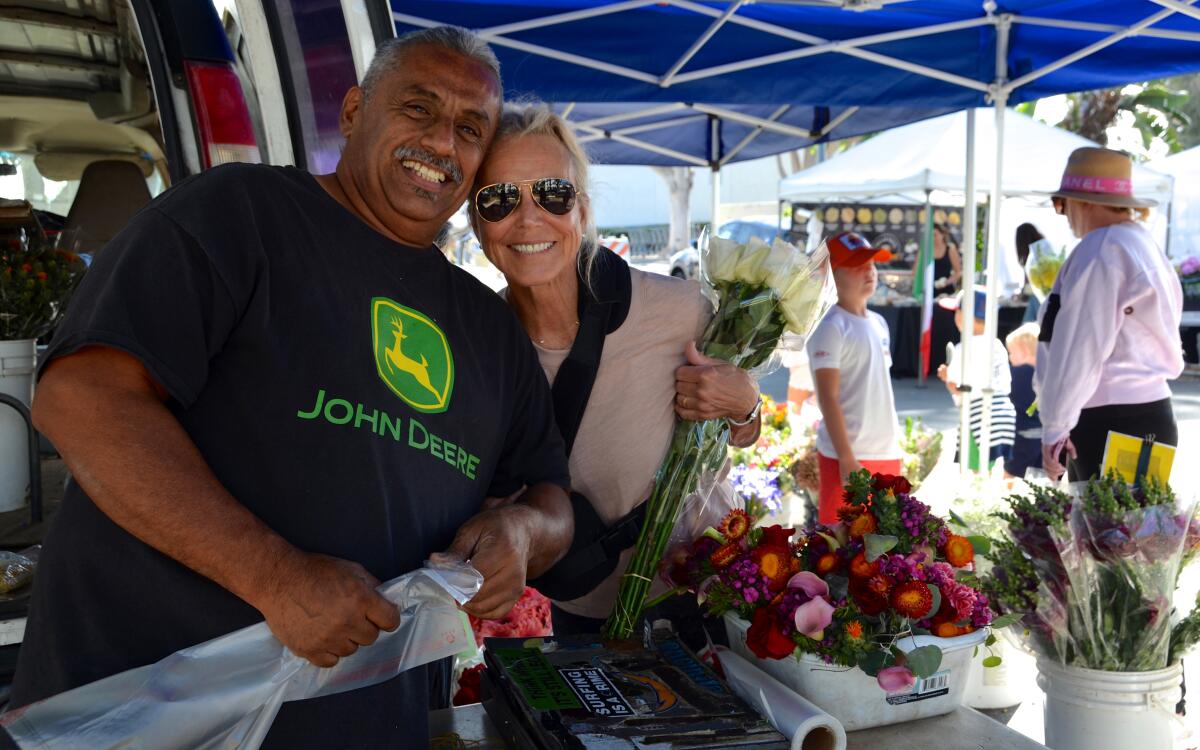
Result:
pixel 530 246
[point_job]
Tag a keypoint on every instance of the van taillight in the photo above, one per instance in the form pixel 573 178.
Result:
pixel 222 118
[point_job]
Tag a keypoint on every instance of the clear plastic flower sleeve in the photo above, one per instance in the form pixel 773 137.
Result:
pixel 226 692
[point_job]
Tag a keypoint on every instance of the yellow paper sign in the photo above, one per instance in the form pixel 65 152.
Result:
pixel 1121 452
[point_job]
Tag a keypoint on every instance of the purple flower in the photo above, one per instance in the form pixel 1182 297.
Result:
pixel 760 484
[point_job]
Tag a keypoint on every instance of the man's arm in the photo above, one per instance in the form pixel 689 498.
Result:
pixel 106 415
pixel 510 543
pixel 827 381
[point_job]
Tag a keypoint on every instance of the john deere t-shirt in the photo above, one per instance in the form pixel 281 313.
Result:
pixel 361 397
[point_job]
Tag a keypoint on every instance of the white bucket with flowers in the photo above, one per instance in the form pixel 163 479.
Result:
pixel 875 619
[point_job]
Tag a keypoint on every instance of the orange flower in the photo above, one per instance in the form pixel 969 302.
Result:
pixel 950 630
pixel 41 276
pixel 735 525
pixel 826 564
pixel 959 551
pixel 912 599
pixel 864 524
pixel 724 555
pixel 847 513
pixel 854 630
pixel 860 568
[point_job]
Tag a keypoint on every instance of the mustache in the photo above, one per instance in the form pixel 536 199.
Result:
pixel 438 163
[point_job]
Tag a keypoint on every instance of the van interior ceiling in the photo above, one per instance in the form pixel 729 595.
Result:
pixel 74 92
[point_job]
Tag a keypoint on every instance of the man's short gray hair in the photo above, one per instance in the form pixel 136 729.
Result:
pixel 389 54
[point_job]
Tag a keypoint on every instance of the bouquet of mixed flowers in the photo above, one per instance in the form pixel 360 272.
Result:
pixel 1092 573
pixel 35 283
pixel 762 471
pixel 760 291
pixel 1189 274
pixel 849 593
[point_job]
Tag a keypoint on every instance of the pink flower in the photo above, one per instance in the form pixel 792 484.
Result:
pixel 895 679
pixel 810 583
pixel 813 617
pixel 961 598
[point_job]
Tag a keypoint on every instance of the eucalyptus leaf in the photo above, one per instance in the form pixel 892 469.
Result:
pixel 1003 621
pixel 872 662
pixel 957 520
pixel 878 544
pixel 834 544
pixel 937 599
pixel 924 661
pixel 991 661
pixel 991 640
pixel 982 544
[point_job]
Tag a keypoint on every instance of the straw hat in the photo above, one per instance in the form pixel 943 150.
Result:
pixel 1100 175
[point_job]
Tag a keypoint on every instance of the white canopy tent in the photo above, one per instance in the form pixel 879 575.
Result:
pixel 932 162
pixel 1184 232
pixel 907 161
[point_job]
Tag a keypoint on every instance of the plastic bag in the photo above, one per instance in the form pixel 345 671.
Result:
pixel 1041 267
pixel 1122 564
pixel 226 692
pixel 15 571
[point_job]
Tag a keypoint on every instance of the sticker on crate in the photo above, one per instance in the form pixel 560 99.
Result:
pixel 933 686
pixel 596 691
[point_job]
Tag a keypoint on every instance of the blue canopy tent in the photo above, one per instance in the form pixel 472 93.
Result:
pixel 854 57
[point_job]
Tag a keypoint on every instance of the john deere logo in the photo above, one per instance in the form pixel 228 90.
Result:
pixel 412 355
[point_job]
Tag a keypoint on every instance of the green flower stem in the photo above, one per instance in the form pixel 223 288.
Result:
pixel 744 331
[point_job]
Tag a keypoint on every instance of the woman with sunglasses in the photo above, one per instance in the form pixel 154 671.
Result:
pixel 616 344
pixel 1109 338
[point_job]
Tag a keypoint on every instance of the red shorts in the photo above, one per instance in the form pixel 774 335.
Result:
pixel 830 498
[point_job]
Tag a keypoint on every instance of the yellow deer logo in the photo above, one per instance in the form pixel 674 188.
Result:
pixel 412 355
pixel 397 359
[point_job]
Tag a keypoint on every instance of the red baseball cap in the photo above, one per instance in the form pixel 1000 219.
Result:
pixel 849 249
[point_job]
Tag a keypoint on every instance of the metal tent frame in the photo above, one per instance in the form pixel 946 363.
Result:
pixel 998 89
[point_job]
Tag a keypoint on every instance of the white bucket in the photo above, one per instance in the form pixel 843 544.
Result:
pixel 854 698
pixel 1090 709
pixel 1003 686
pixel 16 379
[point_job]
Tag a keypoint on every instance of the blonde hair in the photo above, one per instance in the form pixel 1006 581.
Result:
pixel 519 119
pixel 1024 336
pixel 1135 214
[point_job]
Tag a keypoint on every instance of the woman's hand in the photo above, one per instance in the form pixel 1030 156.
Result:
pixel 708 388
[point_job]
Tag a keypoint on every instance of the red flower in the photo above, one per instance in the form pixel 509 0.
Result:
pixel 725 554
pixel 775 536
pixel 871 594
pixel 26 268
pixel 898 485
pixel 766 637
pixel 41 276
pixel 774 556
pixel 468 686
pixel 912 599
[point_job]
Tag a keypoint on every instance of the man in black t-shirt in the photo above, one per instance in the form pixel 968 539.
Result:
pixel 273 392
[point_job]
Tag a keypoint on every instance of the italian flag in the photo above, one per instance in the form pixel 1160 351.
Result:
pixel 923 290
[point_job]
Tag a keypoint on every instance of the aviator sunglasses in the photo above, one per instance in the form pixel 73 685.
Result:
pixel 554 195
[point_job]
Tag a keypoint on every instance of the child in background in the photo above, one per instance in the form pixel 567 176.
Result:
pixel 1004 416
pixel 1027 446
pixel 850 355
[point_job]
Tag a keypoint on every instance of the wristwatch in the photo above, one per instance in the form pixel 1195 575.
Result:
pixel 752 416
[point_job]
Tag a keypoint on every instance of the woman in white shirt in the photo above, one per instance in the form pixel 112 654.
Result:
pixel 1110 328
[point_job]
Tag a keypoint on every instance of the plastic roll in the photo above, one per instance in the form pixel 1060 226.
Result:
pixel 809 727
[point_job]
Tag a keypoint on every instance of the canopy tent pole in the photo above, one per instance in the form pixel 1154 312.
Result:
pixel 968 287
pixel 993 244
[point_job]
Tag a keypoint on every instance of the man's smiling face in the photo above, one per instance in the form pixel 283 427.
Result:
pixel 414 144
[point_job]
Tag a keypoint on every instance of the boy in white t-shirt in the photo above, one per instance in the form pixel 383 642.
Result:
pixel 850 356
